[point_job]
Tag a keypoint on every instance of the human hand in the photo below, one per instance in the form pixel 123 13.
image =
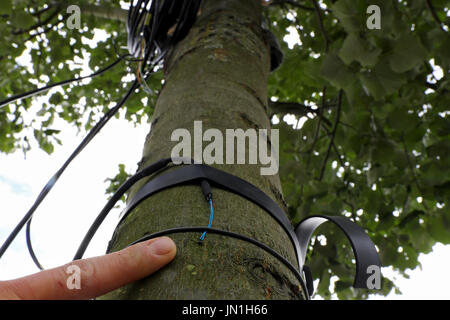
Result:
pixel 98 275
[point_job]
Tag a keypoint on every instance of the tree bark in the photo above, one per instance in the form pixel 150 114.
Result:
pixel 218 74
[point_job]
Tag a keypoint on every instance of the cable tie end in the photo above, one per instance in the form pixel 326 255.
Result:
pixel 206 189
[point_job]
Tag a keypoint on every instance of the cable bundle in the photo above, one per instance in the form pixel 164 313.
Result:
pixel 154 26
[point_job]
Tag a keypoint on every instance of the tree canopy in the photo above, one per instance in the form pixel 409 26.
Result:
pixel 371 136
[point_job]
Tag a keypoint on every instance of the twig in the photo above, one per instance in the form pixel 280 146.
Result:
pixel 290 107
pixel 352 207
pixel 319 124
pixel 413 171
pixel 37 25
pixel 47 29
pixel 336 150
pixel 316 134
pixel 39 12
pixel 321 27
pixel 434 14
pixel 348 126
pixel 31 37
pixel 339 156
pixel 296 109
pixel 39 58
pixel 333 134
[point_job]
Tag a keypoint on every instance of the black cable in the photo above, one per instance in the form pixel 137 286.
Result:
pixel 163 17
pixel 30 245
pixel 207 193
pixel 94 131
pixel 158 34
pixel 147 171
pixel 117 50
pixel 61 83
pixel 196 173
pixel 233 235
pixel 112 202
pixel 169 22
pixel 156 44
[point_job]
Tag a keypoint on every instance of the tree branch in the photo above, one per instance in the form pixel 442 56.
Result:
pixel 319 124
pixel 321 27
pixel 39 12
pixel 413 171
pixel 294 108
pixel 37 25
pixel 102 12
pixel 434 14
pixel 31 37
pixel 333 134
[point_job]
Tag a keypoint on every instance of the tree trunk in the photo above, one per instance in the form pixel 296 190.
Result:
pixel 218 74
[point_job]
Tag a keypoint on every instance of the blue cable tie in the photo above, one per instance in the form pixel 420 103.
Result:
pixel 202 237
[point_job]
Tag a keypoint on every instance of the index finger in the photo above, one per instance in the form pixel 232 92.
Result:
pixel 97 276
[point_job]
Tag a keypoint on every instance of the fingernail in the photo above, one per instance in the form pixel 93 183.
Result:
pixel 162 246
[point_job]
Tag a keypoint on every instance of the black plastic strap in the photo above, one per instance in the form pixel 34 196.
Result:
pixel 149 170
pixel 308 279
pixel 363 248
pixel 220 179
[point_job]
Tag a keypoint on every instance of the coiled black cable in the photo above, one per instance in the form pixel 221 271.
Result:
pixel 154 26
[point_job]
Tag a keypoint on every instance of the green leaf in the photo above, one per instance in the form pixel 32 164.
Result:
pixel 47 146
pixel 372 85
pixel 355 48
pixel 324 282
pixel 56 98
pixel 440 149
pixel 434 173
pixel 5 6
pixel 383 150
pixel 401 120
pixel 50 132
pixel 438 226
pixel 441 126
pixel 336 72
pixel 381 81
pixel 408 52
pixel 21 20
pixel 349 15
